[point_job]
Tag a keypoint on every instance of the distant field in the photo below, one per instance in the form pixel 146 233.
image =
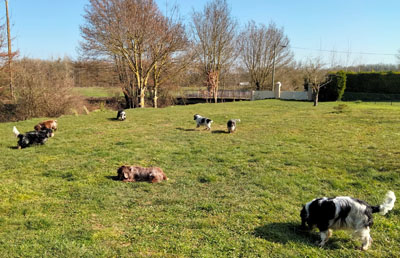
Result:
pixel 97 92
pixel 229 195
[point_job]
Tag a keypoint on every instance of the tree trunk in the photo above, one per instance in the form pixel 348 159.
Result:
pixel 155 98
pixel 128 101
pixel 216 94
pixel 142 95
pixel 9 52
pixel 316 93
pixel 216 88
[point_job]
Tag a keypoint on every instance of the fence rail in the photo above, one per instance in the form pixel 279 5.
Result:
pixel 222 94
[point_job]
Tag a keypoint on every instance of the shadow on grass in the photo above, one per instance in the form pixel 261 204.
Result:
pixel 220 131
pixel 186 130
pixel 13 147
pixel 115 178
pixel 112 119
pixel 286 232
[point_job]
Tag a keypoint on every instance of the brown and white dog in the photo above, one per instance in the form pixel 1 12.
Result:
pixel 49 124
pixel 137 174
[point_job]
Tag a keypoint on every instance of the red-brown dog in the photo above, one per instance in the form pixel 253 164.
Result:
pixel 136 173
pixel 49 124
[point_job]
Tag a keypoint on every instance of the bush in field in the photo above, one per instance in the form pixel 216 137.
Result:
pixel 43 88
pixel 334 90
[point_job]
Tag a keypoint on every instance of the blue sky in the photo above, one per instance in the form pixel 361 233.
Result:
pixel 366 31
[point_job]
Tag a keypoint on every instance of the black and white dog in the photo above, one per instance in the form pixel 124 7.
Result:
pixel 344 213
pixel 33 137
pixel 203 121
pixel 121 115
pixel 232 125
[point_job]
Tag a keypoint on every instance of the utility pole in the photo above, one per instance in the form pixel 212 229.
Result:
pixel 9 52
pixel 273 68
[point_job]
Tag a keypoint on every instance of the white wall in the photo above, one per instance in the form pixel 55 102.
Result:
pixel 296 95
pixel 263 94
pixel 293 95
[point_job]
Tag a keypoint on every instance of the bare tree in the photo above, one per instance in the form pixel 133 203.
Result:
pixel 9 50
pixel 262 49
pixel 169 52
pixel 214 33
pixel 316 76
pixel 134 34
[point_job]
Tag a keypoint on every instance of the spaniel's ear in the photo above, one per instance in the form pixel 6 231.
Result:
pixel 119 172
pixel 123 173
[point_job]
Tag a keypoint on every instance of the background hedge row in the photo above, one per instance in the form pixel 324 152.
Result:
pixel 362 86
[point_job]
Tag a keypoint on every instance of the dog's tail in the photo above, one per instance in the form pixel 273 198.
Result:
pixel 387 204
pixel 15 131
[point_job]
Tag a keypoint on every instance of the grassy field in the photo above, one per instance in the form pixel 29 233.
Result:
pixel 229 195
pixel 98 92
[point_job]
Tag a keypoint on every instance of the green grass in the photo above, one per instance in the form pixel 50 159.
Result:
pixel 98 92
pixel 229 195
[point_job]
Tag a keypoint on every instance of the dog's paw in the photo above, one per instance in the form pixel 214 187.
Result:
pixel 320 244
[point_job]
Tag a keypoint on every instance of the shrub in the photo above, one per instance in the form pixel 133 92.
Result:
pixel 43 88
pixel 335 89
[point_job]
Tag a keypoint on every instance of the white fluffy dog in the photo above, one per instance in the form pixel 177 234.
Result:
pixel 203 121
pixel 344 212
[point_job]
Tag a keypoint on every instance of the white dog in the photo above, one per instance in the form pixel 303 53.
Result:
pixel 203 121
pixel 344 212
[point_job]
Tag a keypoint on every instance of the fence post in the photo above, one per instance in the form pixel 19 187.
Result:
pixel 278 90
pixel 252 95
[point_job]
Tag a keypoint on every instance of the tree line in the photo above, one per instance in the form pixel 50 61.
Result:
pixel 148 48
pixel 131 44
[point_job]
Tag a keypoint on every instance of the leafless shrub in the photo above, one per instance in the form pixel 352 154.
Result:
pixel 43 88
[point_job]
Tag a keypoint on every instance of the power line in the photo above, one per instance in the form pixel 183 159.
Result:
pixel 345 52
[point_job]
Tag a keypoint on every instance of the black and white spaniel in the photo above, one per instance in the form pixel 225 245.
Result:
pixel 121 115
pixel 344 213
pixel 232 125
pixel 33 137
pixel 203 121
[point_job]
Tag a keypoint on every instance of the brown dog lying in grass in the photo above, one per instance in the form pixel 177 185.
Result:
pixel 49 124
pixel 136 173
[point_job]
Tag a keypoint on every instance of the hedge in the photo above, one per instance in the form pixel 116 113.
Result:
pixel 361 86
pixel 384 83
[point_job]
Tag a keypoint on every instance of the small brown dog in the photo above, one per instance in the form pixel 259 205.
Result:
pixel 136 173
pixel 49 124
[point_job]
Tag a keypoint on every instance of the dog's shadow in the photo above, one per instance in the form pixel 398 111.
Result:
pixel 114 178
pixel 13 147
pixel 286 232
pixel 220 131
pixel 186 130
pixel 112 119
